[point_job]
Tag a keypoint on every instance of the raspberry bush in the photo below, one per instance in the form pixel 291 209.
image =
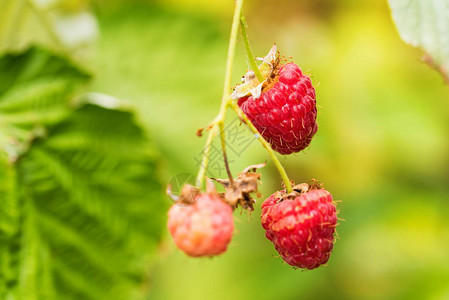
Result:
pixel 277 101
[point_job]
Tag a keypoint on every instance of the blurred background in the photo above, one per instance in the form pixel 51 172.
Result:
pixel 382 146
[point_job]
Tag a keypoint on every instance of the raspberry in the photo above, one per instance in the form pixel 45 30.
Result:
pixel 285 113
pixel 203 228
pixel 301 226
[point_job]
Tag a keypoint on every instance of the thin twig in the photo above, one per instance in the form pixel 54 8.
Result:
pixel 266 145
pixel 249 53
pixel 225 101
pixel 225 156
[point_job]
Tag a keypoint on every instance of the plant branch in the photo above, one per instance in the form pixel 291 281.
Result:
pixel 277 163
pixel 225 100
pixel 205 159
pixel 225 156
pixel 249 53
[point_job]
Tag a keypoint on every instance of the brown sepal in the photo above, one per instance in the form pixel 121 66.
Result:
pixel 199 132
pixel 239 191
pixel 187 196
pixel 299 189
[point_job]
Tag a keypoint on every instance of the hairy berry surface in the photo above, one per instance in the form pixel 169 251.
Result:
pixel 203 228
pixel 302 230
pixel 285 114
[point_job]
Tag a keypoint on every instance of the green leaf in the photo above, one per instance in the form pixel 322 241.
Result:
pixel 425 24
pixel 81 211
pixel 65 26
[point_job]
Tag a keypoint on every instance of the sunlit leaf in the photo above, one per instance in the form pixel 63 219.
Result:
pixel 425 24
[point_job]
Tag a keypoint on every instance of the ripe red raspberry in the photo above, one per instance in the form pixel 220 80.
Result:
pixel 285 113
pixel 301 226
pixel 203 228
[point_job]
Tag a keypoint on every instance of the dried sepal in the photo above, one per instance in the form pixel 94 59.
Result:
pixel 199 132
pixel 239 191
pixel 299 189
pixel 187 196
pixel 253 168
pixel 210 186
pixel 251 86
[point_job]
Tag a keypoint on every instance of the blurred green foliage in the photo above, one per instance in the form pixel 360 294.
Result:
pixel 381 147
pixel 81 211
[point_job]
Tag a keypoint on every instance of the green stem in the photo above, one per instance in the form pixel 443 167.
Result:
pixel 249 53
pixel 225 156
pixel 225 100
pixel 277 163
pixel 205 159
pixel 231 49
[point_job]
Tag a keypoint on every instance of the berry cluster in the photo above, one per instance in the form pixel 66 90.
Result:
pixel 277 101
pixel 300 224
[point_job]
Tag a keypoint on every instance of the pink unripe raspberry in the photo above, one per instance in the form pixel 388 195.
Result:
pixel 301 227
pixel 203 228
pixel 285 113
